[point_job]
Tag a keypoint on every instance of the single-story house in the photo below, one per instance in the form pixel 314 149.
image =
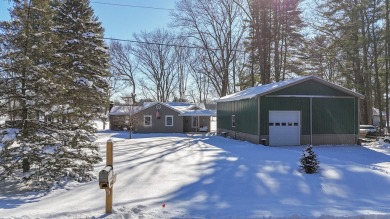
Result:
pixel 157 117
pixel 299 111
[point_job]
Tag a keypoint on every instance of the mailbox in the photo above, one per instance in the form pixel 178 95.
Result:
pixel 106 177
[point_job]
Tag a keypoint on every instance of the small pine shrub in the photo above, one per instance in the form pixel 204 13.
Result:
pixel 309 161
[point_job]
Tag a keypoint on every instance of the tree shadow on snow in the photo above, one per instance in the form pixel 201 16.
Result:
pixel 240 179
pixel 136 135
pixel 247 180
pixel 13 195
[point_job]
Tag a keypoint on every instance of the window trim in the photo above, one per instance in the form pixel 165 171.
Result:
pixel 148 116
pixel 166 120
pixel 234 121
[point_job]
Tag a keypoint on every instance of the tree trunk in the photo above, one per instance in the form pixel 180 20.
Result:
pixel 376 68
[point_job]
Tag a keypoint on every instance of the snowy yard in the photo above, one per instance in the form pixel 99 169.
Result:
pixel 201 176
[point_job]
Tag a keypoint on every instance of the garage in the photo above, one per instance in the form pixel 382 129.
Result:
pixel 284 128
pixel 298 111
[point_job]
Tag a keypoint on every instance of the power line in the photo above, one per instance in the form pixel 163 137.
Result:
pixel 175 45
pixel 151 43
pixel 166 44
pixel 132 6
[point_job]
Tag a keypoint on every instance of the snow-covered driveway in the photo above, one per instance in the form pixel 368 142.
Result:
pixel 215 177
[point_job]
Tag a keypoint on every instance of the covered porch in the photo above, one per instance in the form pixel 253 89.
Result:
pixel 197 120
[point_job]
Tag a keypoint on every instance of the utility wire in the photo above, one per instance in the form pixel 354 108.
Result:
pixel 132 6
pixel 166 44
pixel 184 46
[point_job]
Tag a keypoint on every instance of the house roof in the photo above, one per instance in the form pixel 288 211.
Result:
pixel 125 110
pixel 179 107
pixel 199 113
pixel 272 87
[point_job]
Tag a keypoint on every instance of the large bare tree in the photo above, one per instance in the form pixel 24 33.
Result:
pixel 157 58
pixel 216 26
pixel 123 66
pixel 183 60
pixel 201 85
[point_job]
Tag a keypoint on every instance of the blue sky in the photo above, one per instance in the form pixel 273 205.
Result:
pixel 121 21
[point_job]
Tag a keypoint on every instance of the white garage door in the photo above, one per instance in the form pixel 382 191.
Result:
pixel 284 128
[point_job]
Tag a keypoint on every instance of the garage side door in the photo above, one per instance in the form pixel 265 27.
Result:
pixel 284 128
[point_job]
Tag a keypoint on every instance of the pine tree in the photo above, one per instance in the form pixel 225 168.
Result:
pixel 54 85
pixel 347 25
pixel 26 59
pixel 309 161
pixel 26 63
pixel 83 60
pixel 273 40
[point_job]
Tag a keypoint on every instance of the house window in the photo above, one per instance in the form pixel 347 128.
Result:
pixel 169 120
pixel 148 120
pixel 233 120
pixel 194 122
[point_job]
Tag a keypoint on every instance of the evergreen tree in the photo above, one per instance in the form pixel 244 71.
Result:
pixel 54 69
pixel 26 59
pixel 274 38
pixel 83 60
pixel 26 63
pixel 309 161
pixel 351 27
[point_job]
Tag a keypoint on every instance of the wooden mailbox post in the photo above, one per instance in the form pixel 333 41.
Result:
pixel 107 177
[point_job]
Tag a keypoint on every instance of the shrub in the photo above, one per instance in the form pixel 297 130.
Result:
pixel 309 161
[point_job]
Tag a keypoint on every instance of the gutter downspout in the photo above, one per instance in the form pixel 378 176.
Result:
pixel 198 125
pixel 259 121
pixel 311 120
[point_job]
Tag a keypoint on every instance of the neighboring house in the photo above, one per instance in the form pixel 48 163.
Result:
pixel 306 110
pixel 156 117
pixel 376 118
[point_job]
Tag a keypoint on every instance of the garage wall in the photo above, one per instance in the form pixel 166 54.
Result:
pixel 246 116
pixel 288 104
pixel 241 136
pixel 334 119
pixel 334 139
pixel 224 112
pixel 334 116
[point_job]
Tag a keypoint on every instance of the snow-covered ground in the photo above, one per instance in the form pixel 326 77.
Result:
pixel 206 176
